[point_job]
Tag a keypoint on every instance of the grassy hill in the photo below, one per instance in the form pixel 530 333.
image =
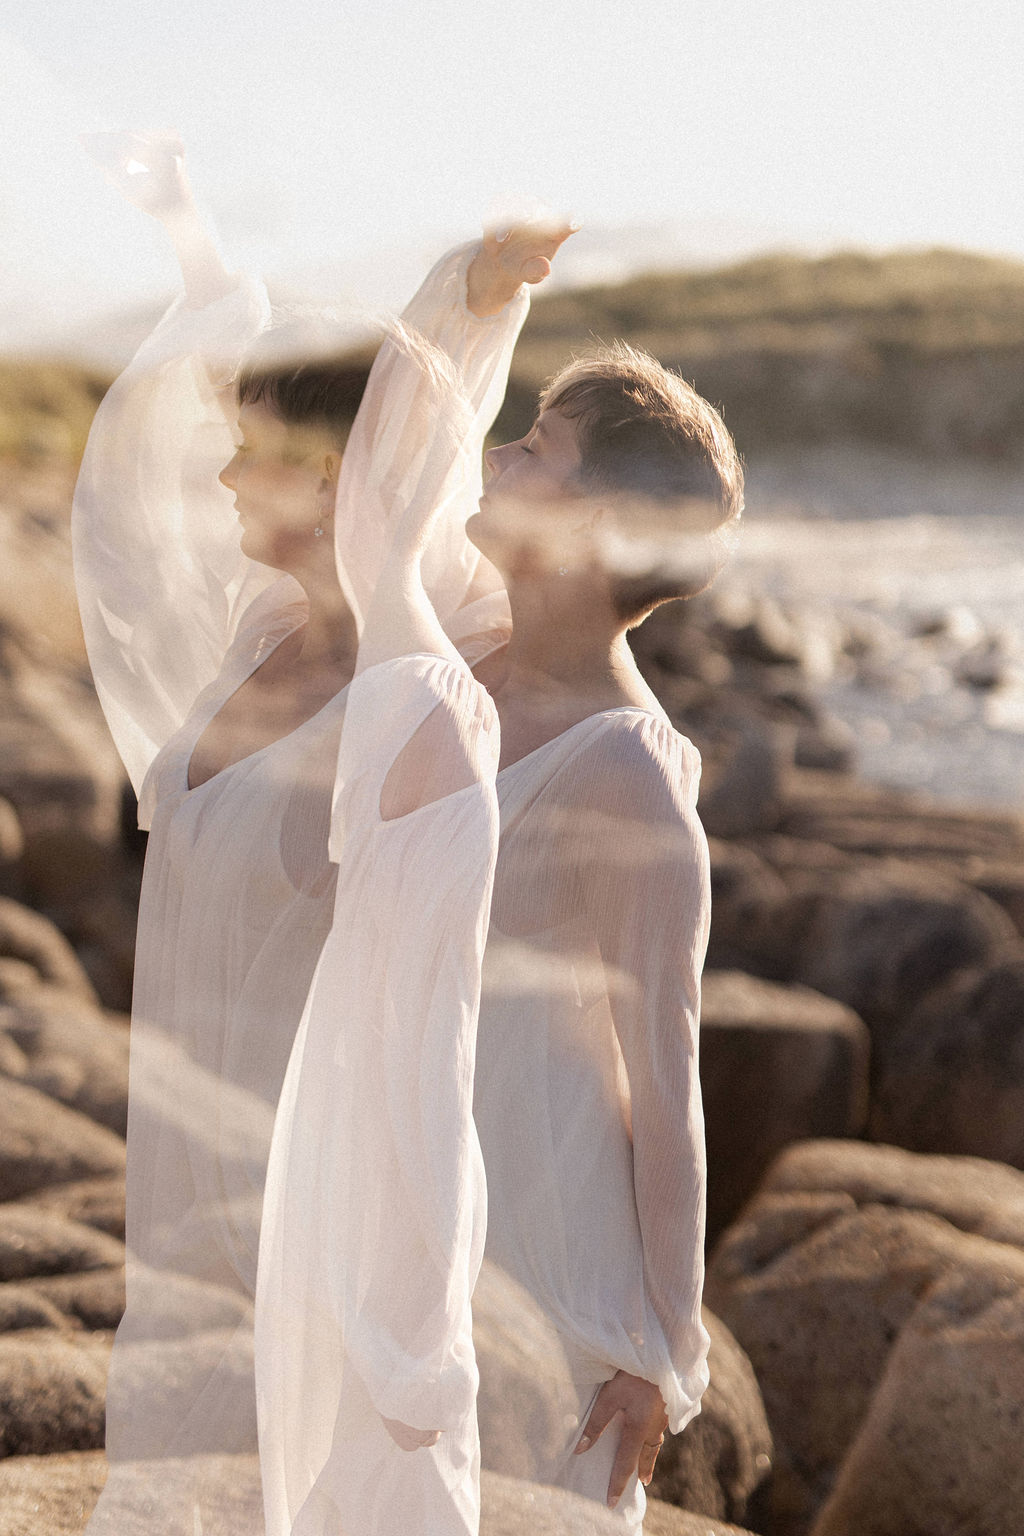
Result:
pixel 915 350
pixel 922 350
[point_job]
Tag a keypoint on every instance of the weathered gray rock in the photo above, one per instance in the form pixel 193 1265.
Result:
pixel 817 1280
pixel 52 1391
pixel 880 935
pixel 950 1075
pixel 44 1143
pixel 35 1242
pixel 939 1451
pixel 27 935
pixel 74 1053
pixel 96 1202
pixel 777 1064
pixel 723 1455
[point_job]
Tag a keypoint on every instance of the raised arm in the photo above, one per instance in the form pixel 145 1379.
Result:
pixel 161 579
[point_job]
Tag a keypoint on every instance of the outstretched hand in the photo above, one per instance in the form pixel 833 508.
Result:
pixel 520 253
pixel 643 1429
pixel 147 168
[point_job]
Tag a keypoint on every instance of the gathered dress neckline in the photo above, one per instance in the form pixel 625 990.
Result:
pixel 190 788
pixel 599 714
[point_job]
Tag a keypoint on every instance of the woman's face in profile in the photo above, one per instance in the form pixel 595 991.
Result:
pixel 532 493
pixel 283 477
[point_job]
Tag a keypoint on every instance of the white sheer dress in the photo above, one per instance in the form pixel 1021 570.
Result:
pixel 313 1099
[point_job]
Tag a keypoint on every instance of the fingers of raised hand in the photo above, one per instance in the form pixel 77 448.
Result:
pixel 525 250
pixel 148 168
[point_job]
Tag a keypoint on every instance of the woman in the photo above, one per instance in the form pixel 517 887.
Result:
pixel 587 1099
pixel 223 665
pixel 583 1071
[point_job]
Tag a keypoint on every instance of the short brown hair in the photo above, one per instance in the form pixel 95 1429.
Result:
pixel 648 439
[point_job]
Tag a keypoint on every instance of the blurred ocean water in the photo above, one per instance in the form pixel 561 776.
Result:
pixel 913 617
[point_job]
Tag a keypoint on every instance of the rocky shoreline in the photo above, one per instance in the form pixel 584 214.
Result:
pixel 862 1060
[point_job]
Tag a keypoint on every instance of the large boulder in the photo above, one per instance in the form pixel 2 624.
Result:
pixel 827 1266
pixel 777 1064
pixel 43 1143
pixel 54 1495
pixel 169 1373
pixel 28 936
pixel 723 1456
pixel 34 1242
pixel 746 897
pixel 526 1399
pixel 168 1306
pixel 73 1052
pixel 52 1391
pixel 939 1451
pixel 879 935
pixel 50 1495
pixel 950 1075
pixel 97 1202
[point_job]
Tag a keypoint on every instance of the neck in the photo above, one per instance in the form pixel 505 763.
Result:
pixel 566 636
pixel 329 638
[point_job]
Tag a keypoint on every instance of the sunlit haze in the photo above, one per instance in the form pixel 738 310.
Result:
pixel 339 146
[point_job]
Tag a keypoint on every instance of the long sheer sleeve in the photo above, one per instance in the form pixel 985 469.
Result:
pixel 644 882
pixel 161 580
pixel 373 1217
pixel 401 434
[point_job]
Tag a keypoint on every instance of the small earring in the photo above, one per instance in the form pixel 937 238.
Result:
pixel 563 570
pixel 318 531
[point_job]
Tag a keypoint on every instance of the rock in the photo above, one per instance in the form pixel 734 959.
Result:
pixel 777 1064
pixel 52 1391
pixel 745 795
pixel 55 1495
pixel 512 1507
pixel 17 979
pixel 828 746
pixel 879 936
pixel 723 1455
pixel 863 818
pixel 1002 881
pixel 950 1074
pixel 26 935
pixel 940 1450
pixel 974 1196
pixel 746 896
pixel 173 1306
pixel 169 1372
pixel 50 1495
pixel 34 1242
pixel 826 1267
pixel 74 1053
pixel 526 1398
pixel 22 1307
pixel 43 1143
pixel 96 1202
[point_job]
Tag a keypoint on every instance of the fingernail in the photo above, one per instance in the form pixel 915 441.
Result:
pixel 584 1444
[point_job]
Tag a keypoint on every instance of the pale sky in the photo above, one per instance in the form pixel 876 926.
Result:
pixel 359 137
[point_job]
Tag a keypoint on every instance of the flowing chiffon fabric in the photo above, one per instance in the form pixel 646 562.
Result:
pixel 344 1013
